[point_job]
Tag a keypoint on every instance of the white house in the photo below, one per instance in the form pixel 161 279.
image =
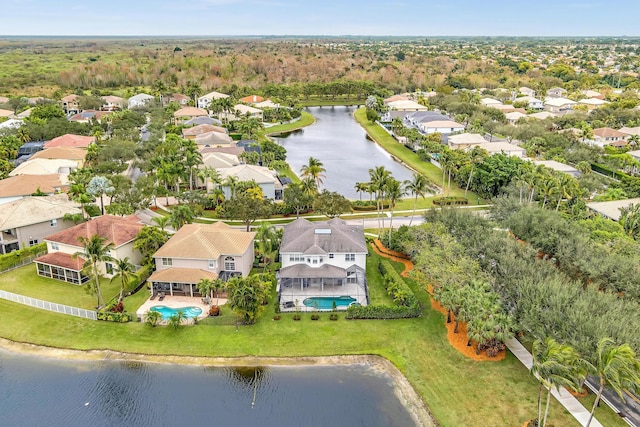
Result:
pixel 465 140
pixel 498 147
pixel 442 126
pixel 139 100
pixel 266 179
pixel 527 91
pixel 558 105
pixel 514 116
pixel 559 167
pixel 205 100
pixel 532 102
pixel 322 259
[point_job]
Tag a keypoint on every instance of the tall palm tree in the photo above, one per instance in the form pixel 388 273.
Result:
pixel 361 187
pixel 615 366
pixel 232 182
pixel 95 250
pixel 476 156
pixel 125 271
pixel 313 169
pixel 418 186
pixel 378 179
pixel 161 221
pixel 556 365
pixel 192 158
pixel 309 186
pixel 394 191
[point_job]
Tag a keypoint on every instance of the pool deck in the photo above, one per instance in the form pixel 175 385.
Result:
pixel 296 295
pixel 178 302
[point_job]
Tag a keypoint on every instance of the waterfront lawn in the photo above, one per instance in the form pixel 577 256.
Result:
pixel 25 281
pixel 306 119
pixel 409 157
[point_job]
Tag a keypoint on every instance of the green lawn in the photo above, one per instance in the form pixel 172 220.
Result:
pixel 458 391
pixel 399 151
pixel 25 281
pixel 305 120
pixel 377 294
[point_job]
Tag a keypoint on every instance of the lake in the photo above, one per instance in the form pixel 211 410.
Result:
pixel 341 144
pixel 38 391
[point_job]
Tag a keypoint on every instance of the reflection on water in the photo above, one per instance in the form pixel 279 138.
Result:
pixel 341 144
pixel 36 392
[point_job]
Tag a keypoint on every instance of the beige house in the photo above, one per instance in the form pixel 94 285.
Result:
pixel 113 103
pixel 213 139
pixel 465 140
pixel 187 113
pixel 592 103
pixel 65 153
pixel 558 105
pixel 46 167
pixel 17 187
pixel 70 104
pixel 193 132
pixel 501 147
pixel 205 100
pixel 59 262
pixel 201 251
pixel 608 136
pixel 26 222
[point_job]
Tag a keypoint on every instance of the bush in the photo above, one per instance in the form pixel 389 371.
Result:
pixel 276 317
pixel 450 201
pixel 382 312
pixel 152 318
pixel 315 317
pixel 395 285
pixel 114 317
pixel 333 316
pixel 296 316
pixel 16 257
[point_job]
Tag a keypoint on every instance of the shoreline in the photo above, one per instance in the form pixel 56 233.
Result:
pixel 403 390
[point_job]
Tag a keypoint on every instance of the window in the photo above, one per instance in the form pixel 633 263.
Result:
pixel 314 260
pixel 349 257
pixel 33 242
pixel 167 262
pixel 53 222
pixel 55 247
pixel 108 267
pixel 296 257
pixel 213 263
pixel 330 256
pixel 229 263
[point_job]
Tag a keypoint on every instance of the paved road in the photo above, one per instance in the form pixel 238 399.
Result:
pixel 629 410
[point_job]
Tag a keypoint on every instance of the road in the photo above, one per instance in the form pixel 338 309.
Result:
pixel 629 410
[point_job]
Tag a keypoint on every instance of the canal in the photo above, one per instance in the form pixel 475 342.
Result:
pixel 341 144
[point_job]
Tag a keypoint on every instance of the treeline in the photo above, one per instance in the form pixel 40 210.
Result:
pixel 542 298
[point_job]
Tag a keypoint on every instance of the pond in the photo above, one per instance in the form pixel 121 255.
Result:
pixel 39 391
pixel 341 144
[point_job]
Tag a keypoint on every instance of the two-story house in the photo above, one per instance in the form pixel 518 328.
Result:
pixel 322 259
pixel 70 104
pixel 140 100
pixel 59 262
pixel 205 100
pixel 201 251
pixel 26 222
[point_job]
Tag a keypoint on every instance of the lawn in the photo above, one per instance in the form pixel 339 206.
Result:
pixel 25 281
pixel 458 391
pixel 305 120
pixel 377 293
pixel 399 151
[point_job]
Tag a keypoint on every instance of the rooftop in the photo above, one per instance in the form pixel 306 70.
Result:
pixel 206 241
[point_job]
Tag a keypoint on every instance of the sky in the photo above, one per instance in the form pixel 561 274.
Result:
pixel 321 17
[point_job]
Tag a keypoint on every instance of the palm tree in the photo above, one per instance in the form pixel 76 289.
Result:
pixel 309 186
pixel 266 241
pixel 616 367
pixel 181 215
pixel 378 179
pixel 231 182
pixel 95 250
pixel 313 169
pixel 394 191
pixel 556 365
pixel 161 221
pixel 418 187
pixel 477 156
pixel 125 271
pixel 192 158
pixel 361 187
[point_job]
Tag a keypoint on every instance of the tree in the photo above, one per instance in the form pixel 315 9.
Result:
pixel 296 198
pixel 418 187
pixel 378 178
pixel 148 241
pixel 245 208
pixel 314 169
pixel 125 271
pixel 556 365
pixel 181 215
pixel 616 367
pixel 161 221
pixel 95 250
pixel 393 192
pixel 267 242
pixel 99 186
pixel 361 187
pixel 630 219
pixel 246 296
pixel 331 204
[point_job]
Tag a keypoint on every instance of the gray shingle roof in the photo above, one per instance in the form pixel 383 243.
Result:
pixel 300 237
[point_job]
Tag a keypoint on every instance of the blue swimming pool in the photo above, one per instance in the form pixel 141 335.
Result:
pixel 167 312
pixel 326 303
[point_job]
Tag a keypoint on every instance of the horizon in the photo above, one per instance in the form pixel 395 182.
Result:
pixel 328 18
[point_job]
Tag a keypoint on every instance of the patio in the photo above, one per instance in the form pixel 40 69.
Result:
pixel 178 302
pixel 294 293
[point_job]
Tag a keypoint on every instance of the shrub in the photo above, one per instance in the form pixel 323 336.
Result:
pixel 450 201
pixel 396 287
pixel 276 317
pixel 315 317
pixel 382 312
pixel 296 316
pixel 114 317
pixel 152 318
pixel 333 316
pixel 16 257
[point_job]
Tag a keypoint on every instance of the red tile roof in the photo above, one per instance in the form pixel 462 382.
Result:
pixel 70 140
pixel 252 98
pixel 60 259
pixel 115 229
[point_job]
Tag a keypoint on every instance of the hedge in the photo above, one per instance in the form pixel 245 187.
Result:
pixel 16 257
pixel 395 285
pixel 114 317
pixel 382 312
pixel 449 201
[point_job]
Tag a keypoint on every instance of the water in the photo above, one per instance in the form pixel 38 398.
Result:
pixel 326 303
pixel 339 142
pixel 37 391
pixel 167 312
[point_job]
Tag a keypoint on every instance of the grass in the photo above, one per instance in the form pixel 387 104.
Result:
pixel 25 281
pixel 386 141
pixel 305 120
pixel 377 293
pixel 458 391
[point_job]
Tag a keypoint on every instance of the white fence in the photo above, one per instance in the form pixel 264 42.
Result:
pixel 51 306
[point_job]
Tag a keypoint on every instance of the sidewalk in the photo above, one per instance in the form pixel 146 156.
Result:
pixel 570 403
